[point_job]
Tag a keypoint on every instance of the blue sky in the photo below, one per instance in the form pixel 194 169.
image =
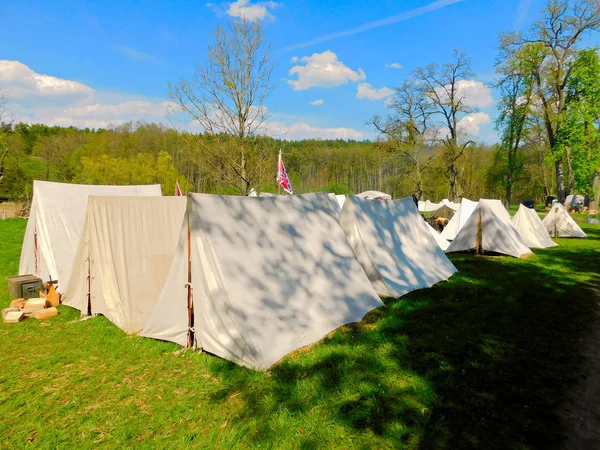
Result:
pixel 95 63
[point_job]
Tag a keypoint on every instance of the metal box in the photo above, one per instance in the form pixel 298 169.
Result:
pixel 24 286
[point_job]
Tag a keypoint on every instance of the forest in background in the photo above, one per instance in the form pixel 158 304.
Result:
pixel 149 153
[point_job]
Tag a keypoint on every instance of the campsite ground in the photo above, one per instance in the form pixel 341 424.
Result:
pixel 498 357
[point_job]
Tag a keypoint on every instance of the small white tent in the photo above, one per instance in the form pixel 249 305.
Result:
pixel 268 275
pixel 394 246
pixel 459 219
pixel 374 195
pixel 489 230
pixel 56 218
pixel 559 223
pixel 124 256
pixel 428 206
pixel 530 227
pixel 341 200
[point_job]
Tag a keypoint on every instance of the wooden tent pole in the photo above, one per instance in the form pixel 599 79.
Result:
pixel 190 303
pixel 478 245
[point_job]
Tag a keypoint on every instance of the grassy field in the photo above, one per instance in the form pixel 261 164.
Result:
pixel 482 361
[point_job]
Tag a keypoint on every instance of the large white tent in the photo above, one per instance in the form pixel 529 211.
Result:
pixel 124 256
pixel 56 218
pixel 394 246
pixel 559 223
pixel 489 230
pixel 268 275
pixel 459 219
pixel 530 227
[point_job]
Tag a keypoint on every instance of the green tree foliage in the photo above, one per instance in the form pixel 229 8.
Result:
pixel 579 138
pixel 516 89
pixel 555 38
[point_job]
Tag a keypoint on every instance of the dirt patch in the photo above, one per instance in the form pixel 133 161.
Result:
pixel 581 413
pixel 9 210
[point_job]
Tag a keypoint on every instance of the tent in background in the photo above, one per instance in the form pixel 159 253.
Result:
pixel 459 219
pixel 334 202
pixel 124 256
pixel 559 223
pixel 341 200
pixel 428 206
pixel 394 246
pixel 374 195
pixel 441 242
pixel 56 218
pixel 268 275
pixel 489 230
pixel 530 227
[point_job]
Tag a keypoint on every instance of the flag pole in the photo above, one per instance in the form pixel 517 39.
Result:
pixel 278 168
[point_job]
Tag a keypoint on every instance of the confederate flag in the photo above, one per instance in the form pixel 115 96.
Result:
pixel 177 189
pixel 282 176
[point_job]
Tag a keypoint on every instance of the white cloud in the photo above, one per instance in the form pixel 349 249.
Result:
pixel 475 93
pixel 302 130
pixel 471 124
pixel 317 102
pixel 393 66
pixel 323 70
pixel 98 109
pixel 251 11
pixel 294 59
pixel 20 81
pixel 365 90
pixel 38 98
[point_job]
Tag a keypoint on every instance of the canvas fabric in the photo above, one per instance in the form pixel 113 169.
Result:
pixel 269 275
pixel 56 219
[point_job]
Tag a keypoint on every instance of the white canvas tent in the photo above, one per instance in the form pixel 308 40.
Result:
pixel 124 256
pixel 441 242
pixel 394 246
pixel 530 227
pixel 489 230
pixel 268 275
pixel 374 195
pixel 56 218
pixel 453 206
pixel 459 219
pixel 428 206
pixel 559 223
pixel 341 200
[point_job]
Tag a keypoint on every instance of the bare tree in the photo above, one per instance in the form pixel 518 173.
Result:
pixel 555 36
pixel 408 131
pixel 440 85
pixel 226 98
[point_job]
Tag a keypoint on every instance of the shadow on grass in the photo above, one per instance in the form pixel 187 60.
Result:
pixel 484 361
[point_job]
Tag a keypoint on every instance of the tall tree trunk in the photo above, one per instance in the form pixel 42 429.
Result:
pixel 560 187
pixel 245 182
pixel 452 193
pixel 509 184
pixel 571 176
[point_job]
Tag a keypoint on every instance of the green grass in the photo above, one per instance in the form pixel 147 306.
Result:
pixel 482 361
